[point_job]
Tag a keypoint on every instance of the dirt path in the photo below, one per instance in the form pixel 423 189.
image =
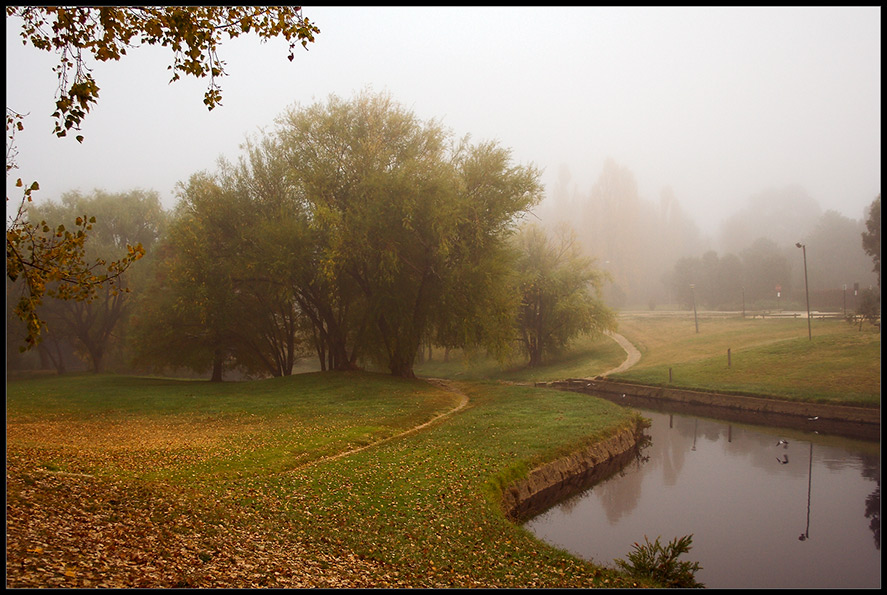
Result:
pixel 633 355
pixel 440 383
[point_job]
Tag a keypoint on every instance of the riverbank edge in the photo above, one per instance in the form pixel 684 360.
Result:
pixel 610 389
pixel 548 483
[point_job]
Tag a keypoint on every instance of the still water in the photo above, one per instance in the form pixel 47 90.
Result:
pixel 763 514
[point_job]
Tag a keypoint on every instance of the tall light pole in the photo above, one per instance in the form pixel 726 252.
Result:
pixel 695 319
pixel 806 289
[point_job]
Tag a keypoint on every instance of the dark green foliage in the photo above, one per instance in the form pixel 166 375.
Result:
pixel 871 238
pixel 652 560
pixel 559 290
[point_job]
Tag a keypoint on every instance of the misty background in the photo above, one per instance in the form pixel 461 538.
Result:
pixel 708 134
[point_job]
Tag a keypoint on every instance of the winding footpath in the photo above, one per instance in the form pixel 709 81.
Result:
pixel 634 356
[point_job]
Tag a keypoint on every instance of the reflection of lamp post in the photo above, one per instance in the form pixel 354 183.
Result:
pixel 695 319
pixel 806 534
pixel 806 289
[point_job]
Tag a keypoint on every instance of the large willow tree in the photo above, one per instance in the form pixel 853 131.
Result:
pixel 409 224
pixel 352 228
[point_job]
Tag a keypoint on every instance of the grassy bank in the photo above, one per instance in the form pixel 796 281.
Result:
pixel 116 481
pixel 841 364
pixel 587 357
pixel 318 480
pixel 768 357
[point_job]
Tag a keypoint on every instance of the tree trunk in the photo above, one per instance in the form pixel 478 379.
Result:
pixel 217 366
pixel 401 368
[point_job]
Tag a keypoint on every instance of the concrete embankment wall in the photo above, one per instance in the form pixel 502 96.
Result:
pixel 610 389
pixel 548 484
pixel 552 482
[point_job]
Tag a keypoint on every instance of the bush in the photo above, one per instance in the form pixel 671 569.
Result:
pixel 653 561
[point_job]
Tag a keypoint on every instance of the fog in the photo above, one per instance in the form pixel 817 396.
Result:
pixel 711 106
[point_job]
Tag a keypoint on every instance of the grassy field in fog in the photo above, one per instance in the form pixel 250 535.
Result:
pixel 586 357
pixel 324 480
pixel 840 364
pixel 769 357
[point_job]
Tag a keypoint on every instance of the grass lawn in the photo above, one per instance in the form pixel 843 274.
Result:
pixel 841 364
pixel 143 482
pixel 318 480
pixel 587 357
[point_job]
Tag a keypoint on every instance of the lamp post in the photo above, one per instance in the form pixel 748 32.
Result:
pixel 695 319
pixel 806 289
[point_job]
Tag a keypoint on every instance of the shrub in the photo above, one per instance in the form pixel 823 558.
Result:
pixel 659 563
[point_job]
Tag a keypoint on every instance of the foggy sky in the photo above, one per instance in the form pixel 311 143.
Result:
pixel 715 103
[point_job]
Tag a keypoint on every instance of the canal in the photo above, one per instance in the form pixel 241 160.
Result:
pixel 767 507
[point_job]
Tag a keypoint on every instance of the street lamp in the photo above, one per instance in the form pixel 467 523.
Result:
pixel 695 319
pixel 806 289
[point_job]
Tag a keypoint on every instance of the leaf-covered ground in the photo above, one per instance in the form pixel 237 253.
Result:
pixel 74 530
pixel 99 498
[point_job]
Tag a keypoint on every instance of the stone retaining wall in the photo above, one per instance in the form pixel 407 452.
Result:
pixel 608 388
pixel 550 483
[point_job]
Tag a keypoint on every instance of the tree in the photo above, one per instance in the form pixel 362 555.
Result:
pixel 270 262
pixel 51 262
pixel 405 221
pixel 765 267
pixel 777 214
pixel 42 256
pixel 634 239
pixel 686 274
pixel 189 316
pixel 869 307
pixel 559 291
pixel 871 238
pixel 131 218
pixel 223 295
pixel 834 255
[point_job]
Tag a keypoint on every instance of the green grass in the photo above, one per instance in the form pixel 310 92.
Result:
pixel 424 505
pixel 587 357
pixel 147 426
pixel 767 357
pixel 437 493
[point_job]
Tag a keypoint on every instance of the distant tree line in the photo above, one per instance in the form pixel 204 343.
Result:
pixel 767 275
pixel 353 233
pixel 654 251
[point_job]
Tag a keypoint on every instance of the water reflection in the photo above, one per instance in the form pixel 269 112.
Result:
pixel 743 492
pixel 806 534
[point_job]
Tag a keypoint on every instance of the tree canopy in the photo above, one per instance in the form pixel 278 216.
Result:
pixel 361 229
pixel 560 293
pixel 192 33
pixel 92 326
pixel 51 261
pixel 871 237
